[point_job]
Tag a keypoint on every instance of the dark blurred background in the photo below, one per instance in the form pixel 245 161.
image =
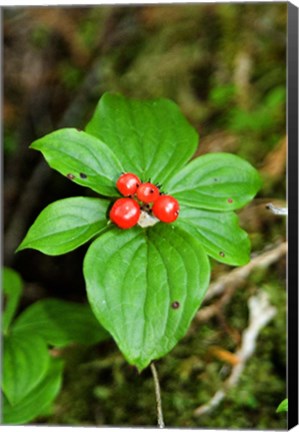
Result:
pixel 225 66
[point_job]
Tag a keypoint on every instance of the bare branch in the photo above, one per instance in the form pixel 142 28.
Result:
pixel 239 274
pixel 281 211
pixel 260 313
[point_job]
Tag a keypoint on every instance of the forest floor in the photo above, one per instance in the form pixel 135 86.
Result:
pixel 224 65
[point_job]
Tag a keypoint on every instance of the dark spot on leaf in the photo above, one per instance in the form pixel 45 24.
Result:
pixel 222 254
pixel 215 179
pixel 70 176
pixel 230 200
pixel 175 305
pixel 83 176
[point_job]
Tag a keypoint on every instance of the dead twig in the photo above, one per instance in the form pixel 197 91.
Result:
pixel 238 275
pixel 281 211
pixel 207 312
pixel 260 313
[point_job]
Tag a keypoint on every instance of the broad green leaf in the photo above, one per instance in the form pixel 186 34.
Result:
pixel 151 137
pixel 218 181
pixel 283 406
pixel 60 323
pixel 219 233
pixel 145 286
pixel 12 288
pixel 25 363
pixel 38 399
pixel 81 157
pixel 66 224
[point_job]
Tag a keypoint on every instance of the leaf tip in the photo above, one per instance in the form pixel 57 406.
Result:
pixel 20 247
pixel 34 145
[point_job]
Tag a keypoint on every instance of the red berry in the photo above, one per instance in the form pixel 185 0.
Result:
pixel 127 184
pixel 125 213
pixel 166 208
pixel 148 192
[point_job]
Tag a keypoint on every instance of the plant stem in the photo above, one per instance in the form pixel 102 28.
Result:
pixel 161 423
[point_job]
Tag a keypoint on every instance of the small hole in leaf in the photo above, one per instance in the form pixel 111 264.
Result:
pixel 230 200
pixel 83 176
pixel 79 130
pixel 70 176
pixel 222 254
pixel 175 305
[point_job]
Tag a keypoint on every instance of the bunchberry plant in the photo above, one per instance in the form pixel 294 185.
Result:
pixel 144 281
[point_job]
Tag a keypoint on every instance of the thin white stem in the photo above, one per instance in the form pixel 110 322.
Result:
pixel 161 423
pixel 260 313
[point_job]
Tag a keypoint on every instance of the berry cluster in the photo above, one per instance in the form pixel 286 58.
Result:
pixel 138 196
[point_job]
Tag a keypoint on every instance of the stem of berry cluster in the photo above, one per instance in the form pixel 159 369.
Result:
pixel 161 423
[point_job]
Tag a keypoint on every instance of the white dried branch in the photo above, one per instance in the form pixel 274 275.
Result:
pixel 239 274
pixel 281 211
pixel 260 313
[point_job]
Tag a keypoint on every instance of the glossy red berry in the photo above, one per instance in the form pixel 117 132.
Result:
pixel 166 208
pixel 125 213
pixel 148 192
pixel 127 184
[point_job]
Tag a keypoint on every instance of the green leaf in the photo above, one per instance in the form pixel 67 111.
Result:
pixel 60 323
pixel 219 233
pixel 134 279
pixel 283 406
pixel 25 363
pixel 12 288
pixel 218 181
pixel 38 399
pixel 66 224
pixel 81 157
pixel 151 138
